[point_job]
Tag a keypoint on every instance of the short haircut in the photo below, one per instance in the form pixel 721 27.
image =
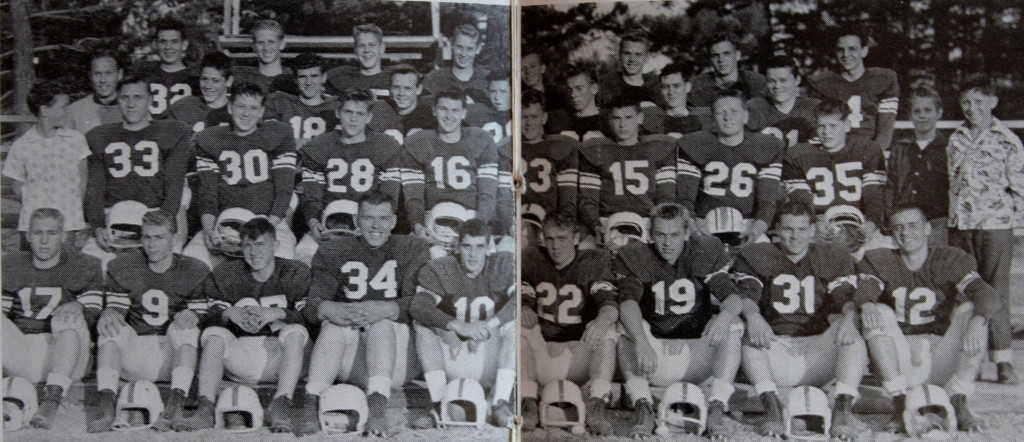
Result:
pixel 907 207
pixel 218 61
pixel 106 53
pixel 978 82
pixel 368 28
pixel 531 97
pixel 467 30
pixel 624 100
pixel 561 219
pixel 671 211
pixel 133 79
pixel 43 93
pixel 533 50
pixel 724 36
pixel 257 227
pixel 498 75
pixel 925 92
pixel 636 37
pixel 683 68
pixel 782 61
pixel 853 31
pixel 474 227
pixel 795 208
pixel 247 89
pixel 308 60
pixel 730 92
pixel 268 25
pixel 831 106
pixel 171 24
pixel 574 70
pixel 162 218
pixel 359 95
pixel 405 69
pixel 377 197
pixel 452 93
pixel 46 213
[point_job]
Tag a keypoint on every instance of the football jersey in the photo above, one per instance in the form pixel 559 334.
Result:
pixel 613 85
pixel 350 270
pixel 699 119
pixel 744 177
pixel 505 210
pixel 30 295
pixel 306 121
pixel 254 172
pixel 198 115
pixel 675 299
pixel 797 126
pixel 440 79
pixel 564 122
pixel 854 176
pixel 348 76
pixel 284 82
pixel 388 121
pixel 146 165
pixel 495 122
pixel 169 87
pixel 232 284
pixel 470 299
pixel 567 299
pixel 924 300
pixel 551 171
pixel 873 99
pixel 796 298
pixel 153 299
pixel 465 172
pixel 704 88
pixel 616 178
pixel 332 170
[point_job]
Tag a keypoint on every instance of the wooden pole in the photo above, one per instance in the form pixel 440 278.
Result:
pixel 24 68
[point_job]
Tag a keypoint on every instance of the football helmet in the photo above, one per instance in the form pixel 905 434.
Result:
pixel 139 395
pixel 929 413
pixel 339 218
pixel 532 216
pixel 808 415
pixel 239 399
pixel 463 404
pixel 561 405
pixel 844 227
pixel 683 408
pixel 626 227
pixel 20 403
pixel 124 224
pixel 443 224
pixel 727 224
pixel 343 409
pixel 229 226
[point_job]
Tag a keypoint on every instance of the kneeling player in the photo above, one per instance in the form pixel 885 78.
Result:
pixel 50 300
pixel 360 295
pixel 255 327
pixel 673 332
pixel 792 290
pixel 464 311
pixel 568 314
pixel 150 288
pixel 919 331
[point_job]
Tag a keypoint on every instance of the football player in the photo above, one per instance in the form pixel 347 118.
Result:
pixel 627 174
pixel 630 80
pixel 463 74
pixel 149 328
pixel 839 170
pixel 678 118
pixel 532 69
pixel 343 165
pixel 584 120
pixel 732 168
pixel 464 312
pixel 360 295
pixel 783 113
pixel 802 322
pixel 170 79
pixel 495 116
pixel 568 316
pixel 550 163
pixel 369 50
pixel 254 328
pixel 270 74
pixel 51 299
pixel 99 107
pixel 929 320
pixel 453 163
pixel 310 113
pixel 725 55
pixel 141 160
pixel 872 93
pixel 250 164
pixel 673 332
pixel 210 108
pixel 404 111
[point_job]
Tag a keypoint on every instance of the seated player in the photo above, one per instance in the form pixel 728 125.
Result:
pixel 732 168
pixel 629 173
pixel 801 319
pixel 254 327
pixel 99 107
pixel 369 50
pixel 149 329
pixel 269 74
pixel 583 120
pixel 783 113
pixel 929 324
pixel 344 164
pixel 550 163
pixel 51 299
pixel 673 332
pixel 404 111
pixel 312 111
pixel 723 49
pixel 251 165
pixel 360 295
pixel 464 312
pixel 170 79
pixel 463 74
pixel 210 108
pixel 568 316
pixel 494 115
pixel 678 118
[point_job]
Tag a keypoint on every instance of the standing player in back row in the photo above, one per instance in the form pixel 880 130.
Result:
pixel 463 74
pixel 369 50
pixel 783 113
pixel 550 162
pixel 210 108
pixel 311 112
pixel 495 115
pixel 170 79
pixel 270 74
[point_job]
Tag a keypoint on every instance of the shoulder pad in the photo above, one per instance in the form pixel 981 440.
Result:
pixel 761 256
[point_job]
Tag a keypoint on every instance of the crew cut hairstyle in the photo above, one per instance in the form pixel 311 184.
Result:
pixel 308 60
pixel 683 68
pixel 795 208
pixel 256 228
pixel 531 97
pixel 376 197
pixel 404 69
pixel 467 30
pixel 47 213
pixel 218 61
pixel 133 79
pixel 730 92
pixel 637 36
pixel 782 61
pixel 160 217
pixel 574 70
pixel 247 89
pixel 831 106
pixel 271 25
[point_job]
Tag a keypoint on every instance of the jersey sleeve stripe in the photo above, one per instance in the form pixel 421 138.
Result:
pixel 772 172
pixel 568 178
pixel 489 170
pixel 840 281
pixel 311 176
pixel 285 160
pixel 798 184
pixel 437 298
pixel 413 176
pixel 889 105
pixel 197 305
pixel 219 303
pixel 300 304
pixel 684 167
pixel 8 303
pixel 206 165
pixel 874 179
pixel 745 277
pixel 878 280
pixel 721 271
pixel 590 181
pixel 665 175
pixel 966 281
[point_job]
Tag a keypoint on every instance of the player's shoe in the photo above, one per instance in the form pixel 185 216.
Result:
pixel 896 424
pixel 430 419
pixel 1007 375
pixel 531 415
pixel 173 411
pixel 309 420
pixel 377 420
pixel 716 429
pixel 47 407
pixel 965 420
pixel 597 417
pixel 773 425
pixel 108 407
pixel 502 413
pixel 202 419
pixel 278 415
pixel 844 424
pixel 642 424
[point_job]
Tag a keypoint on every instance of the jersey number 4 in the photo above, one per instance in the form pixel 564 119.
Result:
pixel 559 305
pixel 795 292
pixel 39 302
pixel 384 281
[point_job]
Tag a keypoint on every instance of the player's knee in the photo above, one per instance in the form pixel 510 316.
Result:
pixel 380 329
pixel 507 330
pixel 294 335
pixel 181 337
pixel 74 329
pixel 216 338
pixel 964 309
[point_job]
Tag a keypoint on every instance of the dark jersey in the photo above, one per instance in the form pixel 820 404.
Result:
pixel 442 78
pixel 348 76
pixel 332 170
pixel 152 299
pixel 613 85
pixel 699 119
pixel 169 87
pixel 232 284
pixel 147 165
pixel 675 299
pixel 704 88
pixel 388 121
pixel 564 122
pixel 796 298
pixel 254 172
pixel 567 299
pixel 796 126
pixel 283 82
pixel 31 294
pixel 495 122
pixel 505 210
pixel 854 176
pixel 470 299
pixel 306 121
pixel 745 177
pixel 616 178
pixel 198 115
pixel 551 172
pixel 873 99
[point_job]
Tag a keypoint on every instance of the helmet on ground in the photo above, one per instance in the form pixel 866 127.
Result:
pixel 137 396
pixel 929 413
pixel 561 405
pixel 242 400
pixel 464 404
pixel 20 403
pixel 727 224
pixel 808 415
pixel 343 409
pixel 683 408
pixel 444 222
